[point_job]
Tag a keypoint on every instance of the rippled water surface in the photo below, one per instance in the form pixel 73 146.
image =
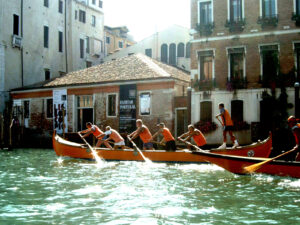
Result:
pixel 38 188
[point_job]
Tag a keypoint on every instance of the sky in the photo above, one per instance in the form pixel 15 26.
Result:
pixel 144 17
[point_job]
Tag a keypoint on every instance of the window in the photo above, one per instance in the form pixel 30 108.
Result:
pixel 93 21
pixel 47 74
pixel 148 52
pixel 60 6
pixel 46 3
pixel 60 41
pixel 236 11
pixel 120 44
pixel 49 108
pixel 85 110
pixel 297 55
pixel 82 16
pixel 46 37
pixel 107 40
pixel 26 109
pixel 87 41
pixel 112 105
pixel 100 4
pixel 206 65
pixel 172 54
pixel 206 111
pixel 85 101
pixel 268 8
pixel 76 14
pixel 94 2
pixel 101 45
pixel 188 50
pixel 145 103
pixel 236 65
pixel 237 111
pixel 180 50
pixel 81 48
pixel 205 12
pixel 88 64
pixel 297 5
pixel 16 25
pixel 269 60
pixel 164 53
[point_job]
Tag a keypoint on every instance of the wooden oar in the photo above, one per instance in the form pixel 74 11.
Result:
pixel 98 159
pixel 220 121
pixel 189 143
pixel 254 167
pixel 137 148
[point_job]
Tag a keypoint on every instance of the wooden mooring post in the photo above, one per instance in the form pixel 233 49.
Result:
pixel 2 131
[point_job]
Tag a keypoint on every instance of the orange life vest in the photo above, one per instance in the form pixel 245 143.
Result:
pixel 96 131
pixel 297 139
pixel 199 139
pixel 116 136
pixel 167 135
pixel 145 135
pixel 227 121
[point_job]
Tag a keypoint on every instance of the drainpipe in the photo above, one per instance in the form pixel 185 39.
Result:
pixel 22 55
pixel 66 47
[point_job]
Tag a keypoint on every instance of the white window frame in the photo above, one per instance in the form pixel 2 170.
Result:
pixel 212 9
pixel 260 55
pixel 139 96
pixel 276 7
pixel 228 9
pixel 244 60
pixel 295 55
pixel 47 108
pixel 213 62
pixel 94 24
pixel 108 39
pixel 117 105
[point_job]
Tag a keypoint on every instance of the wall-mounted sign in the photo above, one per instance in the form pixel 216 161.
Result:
pixel 60 120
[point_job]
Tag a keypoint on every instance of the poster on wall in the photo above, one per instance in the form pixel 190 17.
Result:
pixel 60 120
pixel 127 108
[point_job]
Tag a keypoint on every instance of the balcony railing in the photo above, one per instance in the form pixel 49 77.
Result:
pixel 296 18
pixel 205 28
pixel 205 85
pixel 234 83
pixel 236 25
pixel 267 21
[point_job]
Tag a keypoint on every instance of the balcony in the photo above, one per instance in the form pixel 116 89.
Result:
pixel 205 29
pixel 296 18
pixel 236 25
pixel 236 83
pixel 205 85
pixel 268 21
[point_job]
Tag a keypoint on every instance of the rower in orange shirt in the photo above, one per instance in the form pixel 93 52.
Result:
pixel 115 136
pixel 295 126
pixel 167 137
pixel 143 132
pixel 196 134
pixel 227 127
pixel 96 131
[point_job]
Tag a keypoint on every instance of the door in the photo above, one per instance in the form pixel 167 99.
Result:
pixel 181 121
pixel 84 116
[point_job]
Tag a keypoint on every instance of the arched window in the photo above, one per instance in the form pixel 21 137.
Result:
pixel 172 52
pixel 206 111
pixel 237 110
pixel 188 50
pixel 164 53
pixel 180 50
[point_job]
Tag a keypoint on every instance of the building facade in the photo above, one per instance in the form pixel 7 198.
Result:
pixel 238 51
pixel 114 93
pixel 41 40
pixel 117 38
pixel 170 46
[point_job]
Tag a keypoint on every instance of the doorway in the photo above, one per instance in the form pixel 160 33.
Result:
pixel 181 121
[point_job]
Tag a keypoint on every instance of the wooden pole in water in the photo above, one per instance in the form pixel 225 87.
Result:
pixel 63 120
pixel 2 131
pixel 10 128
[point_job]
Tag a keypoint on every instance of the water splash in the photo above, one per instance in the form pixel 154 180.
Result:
pixel 60 160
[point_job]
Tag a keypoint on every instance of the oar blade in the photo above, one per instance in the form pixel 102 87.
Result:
pixel 254 167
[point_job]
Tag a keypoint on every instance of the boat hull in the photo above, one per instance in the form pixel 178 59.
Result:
pixel 66 148
pixel 236 164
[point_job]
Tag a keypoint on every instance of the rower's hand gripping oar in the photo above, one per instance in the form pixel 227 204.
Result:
pixel 254 167
pixel 189 143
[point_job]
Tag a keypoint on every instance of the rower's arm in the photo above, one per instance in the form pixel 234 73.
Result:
pixel 162 141
pixel 156 134
pixel 100 136
pixel 87 134
pixel 183 135
pixel 137 132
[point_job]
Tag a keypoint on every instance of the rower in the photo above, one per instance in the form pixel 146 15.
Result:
pixel 113 135
pixel 96 131
pixel 143 132
pixel 196 134
pixel 167 137
pixel 227 127
pixel 292 122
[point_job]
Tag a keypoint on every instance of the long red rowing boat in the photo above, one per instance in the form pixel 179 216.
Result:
pixel 236 164
pixel 67 148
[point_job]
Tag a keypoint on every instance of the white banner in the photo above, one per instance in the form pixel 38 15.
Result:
pixel 60 115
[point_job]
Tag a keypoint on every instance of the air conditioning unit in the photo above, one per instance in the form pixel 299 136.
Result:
pixel 16 41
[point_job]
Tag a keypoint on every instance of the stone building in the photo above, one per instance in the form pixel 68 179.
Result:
pixel 114 93
pixel 170 46
pixel 239 49
pixel 117 38
pixel 41 40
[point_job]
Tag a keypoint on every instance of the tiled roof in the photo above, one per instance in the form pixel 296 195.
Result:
pixel 134 67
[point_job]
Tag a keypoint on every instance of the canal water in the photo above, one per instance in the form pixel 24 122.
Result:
pixel 38 188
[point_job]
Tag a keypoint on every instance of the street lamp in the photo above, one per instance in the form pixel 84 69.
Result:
pixel 297 85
